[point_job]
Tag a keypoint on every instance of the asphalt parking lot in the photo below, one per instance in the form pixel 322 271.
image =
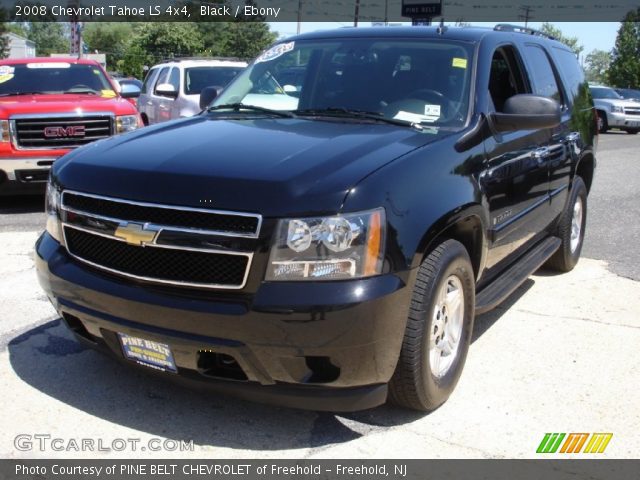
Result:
pixel 559 356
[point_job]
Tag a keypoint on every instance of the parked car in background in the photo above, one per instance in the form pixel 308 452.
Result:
pixel 49 106
pixel 629 93
pixel 172 89
pixel 614 111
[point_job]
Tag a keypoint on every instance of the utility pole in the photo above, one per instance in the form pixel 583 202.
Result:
pixel 356 13
pixel 526 16
pixel 299 15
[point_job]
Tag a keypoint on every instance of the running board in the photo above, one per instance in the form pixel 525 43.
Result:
pixel 497 291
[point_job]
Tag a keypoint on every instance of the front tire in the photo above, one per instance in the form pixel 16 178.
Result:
pixel 571 229
pixel 603 125
pixel 632 131
pixel 438 332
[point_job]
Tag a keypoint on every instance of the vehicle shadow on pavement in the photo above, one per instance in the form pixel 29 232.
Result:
pixel 485 321
pixel 21 204
pixel 49 359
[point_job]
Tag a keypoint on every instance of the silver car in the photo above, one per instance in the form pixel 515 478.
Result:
pixel 172 89
pixel 614 111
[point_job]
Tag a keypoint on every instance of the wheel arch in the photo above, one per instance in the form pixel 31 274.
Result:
pixel 468 226
pixel 585 169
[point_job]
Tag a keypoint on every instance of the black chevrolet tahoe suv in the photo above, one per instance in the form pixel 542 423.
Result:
pixel 325 242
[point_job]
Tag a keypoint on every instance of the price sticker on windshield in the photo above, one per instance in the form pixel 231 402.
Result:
pixel 6 73
pixel 275 52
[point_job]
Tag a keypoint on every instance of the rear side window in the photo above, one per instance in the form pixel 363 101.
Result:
pixel 149 79
pixel 541 73
pixel 571 70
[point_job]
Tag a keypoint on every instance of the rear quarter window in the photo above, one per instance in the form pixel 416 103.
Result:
pixel 570 70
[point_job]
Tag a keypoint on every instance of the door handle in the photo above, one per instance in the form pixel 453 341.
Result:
pixel 573 137
pixel 541 154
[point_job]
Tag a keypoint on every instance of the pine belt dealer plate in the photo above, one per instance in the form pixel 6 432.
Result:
pixel 150 354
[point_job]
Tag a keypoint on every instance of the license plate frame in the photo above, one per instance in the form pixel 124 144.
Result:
pixel 148 353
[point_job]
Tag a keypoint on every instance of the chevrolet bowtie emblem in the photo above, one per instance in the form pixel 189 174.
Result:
pixel 135 234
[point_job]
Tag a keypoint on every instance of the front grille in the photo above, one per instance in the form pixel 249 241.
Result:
pixel 632 111
pixel 61 132
pixel 158 264
pixel 165 216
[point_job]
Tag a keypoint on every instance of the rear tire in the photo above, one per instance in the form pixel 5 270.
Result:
pixel 571 229
pixel 603 125
pixel 438 332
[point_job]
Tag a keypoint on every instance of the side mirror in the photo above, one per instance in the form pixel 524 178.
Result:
pixel 526 112
pixel 166 90
pixel 208 95
pixel 129 91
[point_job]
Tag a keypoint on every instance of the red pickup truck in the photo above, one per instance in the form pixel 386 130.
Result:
pixel 49 106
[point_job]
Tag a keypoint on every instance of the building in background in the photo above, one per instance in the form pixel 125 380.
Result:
pixel 20 47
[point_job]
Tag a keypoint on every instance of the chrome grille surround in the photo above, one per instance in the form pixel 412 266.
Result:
pixel 19 129
pixel 104 226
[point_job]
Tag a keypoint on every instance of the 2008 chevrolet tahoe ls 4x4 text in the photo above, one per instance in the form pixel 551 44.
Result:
pixel 326 245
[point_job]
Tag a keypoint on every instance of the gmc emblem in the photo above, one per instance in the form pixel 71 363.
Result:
pixel 72 131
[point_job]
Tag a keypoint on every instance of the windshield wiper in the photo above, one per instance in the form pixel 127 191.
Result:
pixel 352 113
pixel 14 94
pixel 236 107
pixel 80 92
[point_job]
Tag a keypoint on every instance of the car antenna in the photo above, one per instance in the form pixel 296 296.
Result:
pixel 441 28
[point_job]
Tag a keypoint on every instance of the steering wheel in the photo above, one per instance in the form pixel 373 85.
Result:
pixel 428 95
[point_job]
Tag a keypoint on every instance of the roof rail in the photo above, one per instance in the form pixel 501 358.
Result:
pixel 506 27
pixel 184 59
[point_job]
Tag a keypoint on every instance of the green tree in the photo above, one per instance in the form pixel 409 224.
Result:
pixel 572 42
pixel 111 38
pixel 597 66
pixel 247 39
pixel 4 41
pixel 134 60
pixel 17 28
pixel 625 62
pixel 163 40
pixel 49 37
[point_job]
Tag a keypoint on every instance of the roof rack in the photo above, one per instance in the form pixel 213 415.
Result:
pixel 184 59
pixel 506 27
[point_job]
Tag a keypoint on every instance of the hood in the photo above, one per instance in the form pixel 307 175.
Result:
pixel 619 102
pixel 69 103
pixel 275 167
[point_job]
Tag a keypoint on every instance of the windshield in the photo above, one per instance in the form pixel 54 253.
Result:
pixel 48 78
pixel 197 78
pixel 605 93
pixel 419 81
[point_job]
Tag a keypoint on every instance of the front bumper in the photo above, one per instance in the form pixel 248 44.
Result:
pixel 321 346
pixel 24 175
pixel 622 120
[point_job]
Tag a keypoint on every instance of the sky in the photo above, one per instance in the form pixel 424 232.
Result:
pixel 592 35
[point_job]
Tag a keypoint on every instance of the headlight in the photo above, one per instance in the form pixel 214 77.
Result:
pixel 52 209
pixel 4 131
pixel 616 109
pixel 127 123
pixel 328 248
